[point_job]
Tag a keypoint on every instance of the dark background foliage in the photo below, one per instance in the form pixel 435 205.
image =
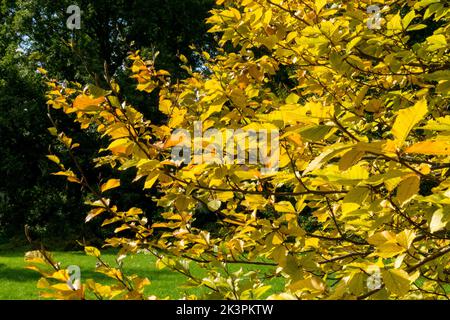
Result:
pixel 33 33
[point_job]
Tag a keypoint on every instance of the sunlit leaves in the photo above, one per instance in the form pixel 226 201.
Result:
pixel 86 103
pixel 430 148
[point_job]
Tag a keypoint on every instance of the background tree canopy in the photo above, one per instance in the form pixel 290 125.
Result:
pixel 33 33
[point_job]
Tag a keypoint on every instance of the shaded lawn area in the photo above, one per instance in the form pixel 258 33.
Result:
pixel 18 283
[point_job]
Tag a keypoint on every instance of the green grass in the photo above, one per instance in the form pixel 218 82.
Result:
pixel 18 283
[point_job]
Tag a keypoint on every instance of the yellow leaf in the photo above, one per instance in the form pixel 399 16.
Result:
pixel 214 205
pixel 212 109
pixel 118 132
pixel 61 275
pixel 93 213
pixel 320 4
pixel 41 70
pixel 225 196
pixel 379 147
pixel 349 159
pixel 119 146
pixel 279 255
pixel 356 283
pixel 183 58
pixel 354 199
pixel 151 179
pixel 122 228
pixel 69 174
pixel 111 184
pixel 314 283
pixel 276 238
pixel 437 41
pixel 284 206
pixel 406 238
pixel 85 103
pixel 43 284
pixel 55 159
pixel 407 119
pixel 164 106
pixel 61 287
pixel 53 131
pixel 388 250
pixel 267 17
pixel 380 238
pixel 407 189
pixel 177 139
pixel 396 281
pixel 92 251
pixel 437 221
pixel 436 148
pixel 292 98
pixel 312 243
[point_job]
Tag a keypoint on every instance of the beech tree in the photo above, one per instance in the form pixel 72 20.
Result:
pixel 358 207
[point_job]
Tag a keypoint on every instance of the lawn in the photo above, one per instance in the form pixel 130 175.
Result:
pixel 18 283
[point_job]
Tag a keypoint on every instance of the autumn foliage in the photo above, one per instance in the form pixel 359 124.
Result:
pixel 363 180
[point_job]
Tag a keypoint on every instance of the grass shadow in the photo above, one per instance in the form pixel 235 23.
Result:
pixel 17 274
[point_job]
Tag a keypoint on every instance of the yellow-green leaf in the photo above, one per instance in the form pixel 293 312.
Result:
pixel 214 205
pixel 396 281
pixel 354 199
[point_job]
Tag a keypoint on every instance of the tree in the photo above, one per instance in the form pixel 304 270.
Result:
pixel 34 34
pixel 353 203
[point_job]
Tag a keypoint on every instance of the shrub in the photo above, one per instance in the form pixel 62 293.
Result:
pixel 358 208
